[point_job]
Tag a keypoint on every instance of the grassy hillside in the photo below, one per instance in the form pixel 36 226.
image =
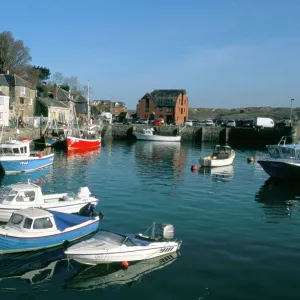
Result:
pixel 276 113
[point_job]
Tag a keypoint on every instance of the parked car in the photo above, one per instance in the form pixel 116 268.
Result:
pixel 162 120
pixel 201 123
pixel 188 123
pixel 209 123
pixel 230 123
pixel 157 123
pixel 127 121
pixel 144 121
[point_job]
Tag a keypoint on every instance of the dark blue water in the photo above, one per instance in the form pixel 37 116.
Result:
pixel 240 231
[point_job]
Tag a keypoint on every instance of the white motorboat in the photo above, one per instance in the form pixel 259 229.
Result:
pixel 148 134
pixel 222 156
pixel 108 247
pixel 25 195
pixel 102 276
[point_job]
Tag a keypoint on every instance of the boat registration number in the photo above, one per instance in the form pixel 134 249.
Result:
pixel 74 140
pixel 24 163
pixel 100 256
pixel 166 249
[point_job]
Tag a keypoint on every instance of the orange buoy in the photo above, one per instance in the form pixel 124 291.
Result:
pixel 250 159
pixel 194 168
pixel 125 264
pixel 40 155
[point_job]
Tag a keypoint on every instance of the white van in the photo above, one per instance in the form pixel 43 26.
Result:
pixel 188 123
pixel 263 122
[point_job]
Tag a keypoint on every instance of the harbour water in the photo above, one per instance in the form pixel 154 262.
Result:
pixel 240 231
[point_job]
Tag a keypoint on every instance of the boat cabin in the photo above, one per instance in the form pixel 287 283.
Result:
pixel 17 194
pixel 222 152
pixel 284 151
pixel 14 147
pixel 148 131
pixel 33 220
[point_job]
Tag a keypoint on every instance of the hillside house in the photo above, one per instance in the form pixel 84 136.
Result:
pixel 115 107
pixel 4 109
pixel 22 95
pixel 169 104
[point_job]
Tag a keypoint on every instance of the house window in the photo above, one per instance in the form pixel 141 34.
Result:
pixel 30 101
pixel 22 90
pixel 169 109
pixel 22 100
pixel 1 100
pixel 181 101
pixel 1 116
pixel 181 110
pixel 147 105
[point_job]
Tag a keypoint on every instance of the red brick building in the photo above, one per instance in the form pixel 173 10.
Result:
pixel 171 105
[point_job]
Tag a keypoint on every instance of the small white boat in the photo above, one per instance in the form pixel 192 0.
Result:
pixel 25 195
pixel 109 247
pixel 222 156
pixel 148 134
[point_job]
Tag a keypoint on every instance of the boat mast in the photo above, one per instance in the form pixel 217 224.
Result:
pixel 88 102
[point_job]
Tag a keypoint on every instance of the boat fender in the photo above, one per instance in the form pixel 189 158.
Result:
pixel 125 264
pixel 194 168
pixel 40 155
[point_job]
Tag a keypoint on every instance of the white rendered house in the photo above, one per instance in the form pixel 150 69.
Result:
pixel 4 109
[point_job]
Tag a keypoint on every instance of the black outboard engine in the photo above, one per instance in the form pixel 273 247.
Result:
pixel 88 210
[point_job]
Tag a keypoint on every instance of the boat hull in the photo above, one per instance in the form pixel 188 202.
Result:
pixel 19 164
pixel 54 142
pixel 160 138
pixel 211 163
pixel 10 244
pixel 140 253
pixel 281 170
pixel 78 143
pixel 60 206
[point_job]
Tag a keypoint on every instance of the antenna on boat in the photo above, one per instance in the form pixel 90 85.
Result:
pixel 28 181
pixel 153 230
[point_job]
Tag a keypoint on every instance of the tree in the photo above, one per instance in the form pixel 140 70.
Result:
pixel 14 56
pixel 58 78
pixel 43 72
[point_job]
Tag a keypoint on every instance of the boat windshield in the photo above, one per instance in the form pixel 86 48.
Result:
pixel 7 194
pixel 110 237
pixel 283 153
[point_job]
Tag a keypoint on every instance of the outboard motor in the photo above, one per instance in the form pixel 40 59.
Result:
pixel 166 231
pixel 88 210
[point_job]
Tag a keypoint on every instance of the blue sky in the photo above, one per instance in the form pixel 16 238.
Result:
pixel 225 53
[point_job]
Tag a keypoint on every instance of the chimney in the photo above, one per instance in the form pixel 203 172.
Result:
pixel 55 92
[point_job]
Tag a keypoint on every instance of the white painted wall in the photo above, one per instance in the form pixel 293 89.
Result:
pixel 4 110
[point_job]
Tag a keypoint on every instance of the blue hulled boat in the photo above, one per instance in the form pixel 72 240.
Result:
pixel 16 157
pixel 284 161
pixel 34 228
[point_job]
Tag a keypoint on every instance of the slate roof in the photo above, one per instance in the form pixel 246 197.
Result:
pixel 53 102
pixel 62 95
pixel 80 99
pixel 108 102
pixel 15 80
pixel 166 97
pixel 3 80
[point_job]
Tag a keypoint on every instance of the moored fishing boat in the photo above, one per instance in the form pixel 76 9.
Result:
pixel 16 157
pixel 109 247
pixel 148 134
pixel 24 195
pixel 284 160
pixel 33 229
pixel 222 156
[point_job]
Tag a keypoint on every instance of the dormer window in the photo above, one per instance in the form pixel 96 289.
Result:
pixel 22 90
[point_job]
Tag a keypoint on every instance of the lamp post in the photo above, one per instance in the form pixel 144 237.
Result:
pixel 291 111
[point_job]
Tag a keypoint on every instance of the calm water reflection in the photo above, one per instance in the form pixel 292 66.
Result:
pixel 240 231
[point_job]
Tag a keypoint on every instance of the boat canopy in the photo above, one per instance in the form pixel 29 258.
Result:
pixel 64 221
pixel 114 238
